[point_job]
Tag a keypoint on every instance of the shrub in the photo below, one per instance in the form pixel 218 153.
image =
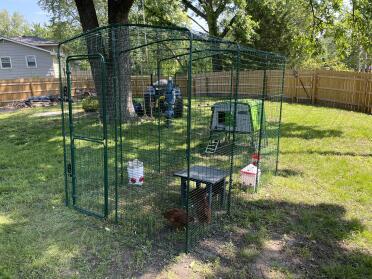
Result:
pixel 90 104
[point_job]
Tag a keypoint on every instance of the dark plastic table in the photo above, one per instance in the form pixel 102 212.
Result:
pixel 214 179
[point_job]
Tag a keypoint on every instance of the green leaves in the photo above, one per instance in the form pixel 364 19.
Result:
pixel 12 25
pixel 311 33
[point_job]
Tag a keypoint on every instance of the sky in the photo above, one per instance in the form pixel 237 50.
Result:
pixel 28 8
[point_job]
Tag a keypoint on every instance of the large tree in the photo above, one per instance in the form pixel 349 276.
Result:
pixel 353 33
pixel 13 25
pixel 74 16
pixel 220 18
pixel 91 14
pixel 295 28
pixel 311 33
pixel 159 12
pixel 117 13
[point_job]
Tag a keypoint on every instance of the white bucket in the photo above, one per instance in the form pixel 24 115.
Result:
pixel 135 172
pixel 248 175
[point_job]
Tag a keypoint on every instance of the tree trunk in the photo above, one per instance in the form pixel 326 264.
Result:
pixel 118 12
pixel 89 21
pixel 122 72
pixel 213 31
pixel 113 52
pixel 96 67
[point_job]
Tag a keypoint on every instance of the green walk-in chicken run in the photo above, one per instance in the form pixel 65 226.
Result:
pixel 178 127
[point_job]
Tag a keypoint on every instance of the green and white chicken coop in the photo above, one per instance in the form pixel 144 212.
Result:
pixel 247 121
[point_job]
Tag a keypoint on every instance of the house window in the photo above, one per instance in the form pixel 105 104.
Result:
pixel 6 62
pixel 31 61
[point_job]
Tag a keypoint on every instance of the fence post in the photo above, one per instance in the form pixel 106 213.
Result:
pixel 207 85
pixel 193 86
pixel 287 88
pixel 313 76
pixel 353 102
pixel 295 84
pixel 315 87
pixel 366 101
pixel 31 89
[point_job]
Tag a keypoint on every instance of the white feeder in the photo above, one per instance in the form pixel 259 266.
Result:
pixel 248 175
pixel 135 172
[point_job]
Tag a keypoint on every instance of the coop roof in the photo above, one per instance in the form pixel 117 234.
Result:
pixel 254 106
pixel 242 103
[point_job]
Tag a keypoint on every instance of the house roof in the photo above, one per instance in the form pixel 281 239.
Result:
pixel 26 44
pixel 35 41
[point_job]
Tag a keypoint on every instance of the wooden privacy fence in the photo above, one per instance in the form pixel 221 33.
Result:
pixel 13 90
pixel 348 90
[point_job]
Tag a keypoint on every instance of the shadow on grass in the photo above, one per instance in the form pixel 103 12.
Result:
pixel 282 237
pixel 288 173
pixel 289 238
pixel 294 130
pixel 310 236
pixel 303 239
pixel 329 153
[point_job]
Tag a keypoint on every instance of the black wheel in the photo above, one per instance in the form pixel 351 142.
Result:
pixel 162 105
pixel 178 107
pixel 138 108
pixel 147 103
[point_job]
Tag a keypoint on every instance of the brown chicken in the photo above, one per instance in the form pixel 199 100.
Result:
pixel 197 194
pixel 199 198
pixel 203 210
pixel 177 217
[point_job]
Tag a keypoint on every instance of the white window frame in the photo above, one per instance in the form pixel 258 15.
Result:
pixel 34 56
pixel 10 61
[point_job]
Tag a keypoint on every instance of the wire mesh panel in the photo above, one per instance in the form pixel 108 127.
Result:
pixel 155 138
pixel 211 136
pixel 269 150
pixel 158 141
pixel 88 141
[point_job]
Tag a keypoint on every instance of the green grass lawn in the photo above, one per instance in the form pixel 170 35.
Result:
pixel 312 220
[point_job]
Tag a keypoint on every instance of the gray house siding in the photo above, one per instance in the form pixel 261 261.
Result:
pixel 17 54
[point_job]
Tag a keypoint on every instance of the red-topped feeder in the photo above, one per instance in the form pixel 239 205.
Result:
pixel 255 158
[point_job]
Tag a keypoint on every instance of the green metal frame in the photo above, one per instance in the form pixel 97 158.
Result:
pixel 63 128
pixel 117 132
pixel 192 48
pixel 234 128
pixel 264 93
pixel 73 136
pixel 280 124
pixel 188 141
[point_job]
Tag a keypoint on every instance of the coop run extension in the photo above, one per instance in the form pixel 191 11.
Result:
pixel 158 123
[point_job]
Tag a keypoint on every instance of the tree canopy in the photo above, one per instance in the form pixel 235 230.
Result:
pixel 311 33
pixel 12 25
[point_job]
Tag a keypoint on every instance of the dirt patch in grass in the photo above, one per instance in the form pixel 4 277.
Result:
pixel 7 109
pixel 184 267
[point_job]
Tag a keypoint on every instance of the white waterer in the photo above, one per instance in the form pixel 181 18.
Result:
pixel 249 175
pixel 135 172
